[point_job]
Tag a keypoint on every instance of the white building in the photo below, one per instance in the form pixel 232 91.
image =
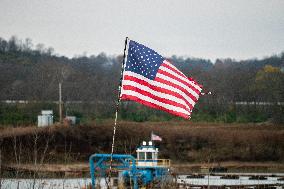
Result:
pixel 45 119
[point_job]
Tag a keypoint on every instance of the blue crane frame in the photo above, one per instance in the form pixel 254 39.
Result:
pixel 127 162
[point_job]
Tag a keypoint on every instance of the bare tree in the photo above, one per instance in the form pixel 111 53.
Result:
pixel 17 145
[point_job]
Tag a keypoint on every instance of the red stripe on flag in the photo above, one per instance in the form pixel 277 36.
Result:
pixel 150 95
pixel 159 89
pixel 193 80
pixel 176 86
pixel 174 70
pixel 180 80
pixel 152 105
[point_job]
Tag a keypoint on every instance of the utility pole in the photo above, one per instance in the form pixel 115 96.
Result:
pixel 60 104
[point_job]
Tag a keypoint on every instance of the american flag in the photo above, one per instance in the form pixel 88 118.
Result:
pixel 155 137
pixel 150 79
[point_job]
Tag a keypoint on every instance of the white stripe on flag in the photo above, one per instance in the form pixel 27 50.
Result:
pixel 158 84
pixel 169 79
pixel 173 67
pixel 156 93
pixel 148 99
pixel 185 79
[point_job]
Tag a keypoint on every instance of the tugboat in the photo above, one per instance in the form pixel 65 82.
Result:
pixel 146 170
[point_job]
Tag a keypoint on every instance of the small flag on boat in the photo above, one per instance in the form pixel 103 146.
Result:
pixel 155 137
pixel 151 80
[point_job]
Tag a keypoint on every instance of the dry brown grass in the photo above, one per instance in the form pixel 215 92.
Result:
pixel 183 141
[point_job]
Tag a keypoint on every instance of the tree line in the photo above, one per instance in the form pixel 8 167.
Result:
pixel 242 91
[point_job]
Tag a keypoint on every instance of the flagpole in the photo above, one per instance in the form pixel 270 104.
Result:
pixel 151 138
pixel 117 103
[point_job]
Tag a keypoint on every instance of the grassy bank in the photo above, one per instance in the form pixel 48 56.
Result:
pixel 183 142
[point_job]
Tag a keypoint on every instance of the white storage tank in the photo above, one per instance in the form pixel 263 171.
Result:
pixel 45 119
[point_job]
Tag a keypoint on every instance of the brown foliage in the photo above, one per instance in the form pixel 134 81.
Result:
pixel 182 141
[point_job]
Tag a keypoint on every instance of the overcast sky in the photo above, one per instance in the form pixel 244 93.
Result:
pixel 208 29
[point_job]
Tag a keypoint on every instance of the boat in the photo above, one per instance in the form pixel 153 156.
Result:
pixel 143 171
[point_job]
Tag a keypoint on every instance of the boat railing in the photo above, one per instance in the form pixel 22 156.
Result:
pixel 153 163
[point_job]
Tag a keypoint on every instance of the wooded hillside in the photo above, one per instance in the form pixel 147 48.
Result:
pixel 242 91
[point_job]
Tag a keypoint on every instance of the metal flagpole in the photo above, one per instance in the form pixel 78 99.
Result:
pixel 117 105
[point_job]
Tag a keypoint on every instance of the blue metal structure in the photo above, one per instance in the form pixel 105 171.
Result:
pixel 144 170
pixel 127 162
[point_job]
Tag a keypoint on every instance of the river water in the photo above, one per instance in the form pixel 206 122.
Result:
pixel 78 183
pixel 217 181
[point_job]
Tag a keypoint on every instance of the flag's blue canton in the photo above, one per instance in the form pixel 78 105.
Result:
pixel 142 60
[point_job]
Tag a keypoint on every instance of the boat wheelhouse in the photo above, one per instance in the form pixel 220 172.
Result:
pixel 147 156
